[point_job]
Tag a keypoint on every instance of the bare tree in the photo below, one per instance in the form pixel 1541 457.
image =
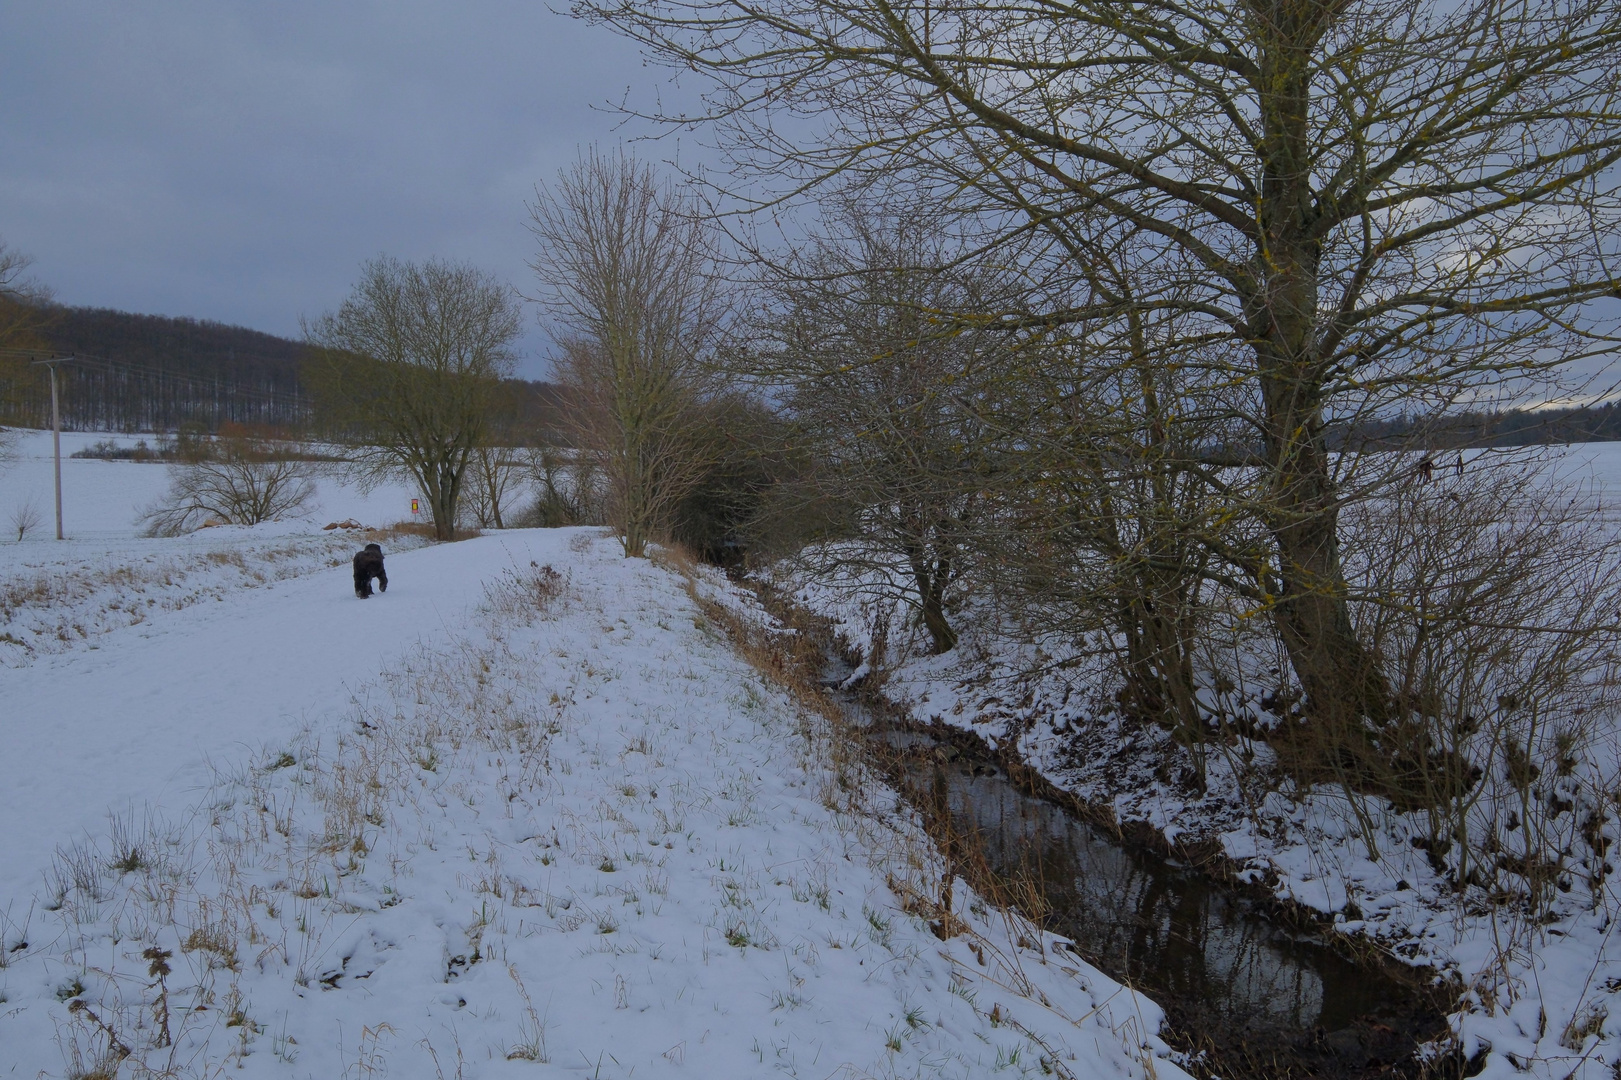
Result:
pixel 1110 533
pixel 498 465
pixel 241 481
pixel 497 473
pixel 1363 203
pixel 408 369
pixel 23 300
pixel 874 352
pixel 627 267
pixel 25 517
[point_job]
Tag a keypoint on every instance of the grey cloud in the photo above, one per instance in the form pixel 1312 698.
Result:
pixel 237 161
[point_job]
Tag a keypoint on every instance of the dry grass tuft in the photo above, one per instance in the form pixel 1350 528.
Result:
pixel 524 593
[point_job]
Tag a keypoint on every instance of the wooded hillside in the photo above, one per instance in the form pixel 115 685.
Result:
pixel 158 373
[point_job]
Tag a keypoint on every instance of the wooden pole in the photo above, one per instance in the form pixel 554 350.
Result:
pixel 56 443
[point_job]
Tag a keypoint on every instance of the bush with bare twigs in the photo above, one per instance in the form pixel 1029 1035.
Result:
pixel 242 482
pixel 25 517
pixel 568 489
pixel 1490 599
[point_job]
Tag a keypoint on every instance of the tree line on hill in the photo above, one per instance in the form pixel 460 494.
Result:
pixel 161 374
pixel 156 373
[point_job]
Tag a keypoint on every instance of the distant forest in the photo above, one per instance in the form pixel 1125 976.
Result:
pixel 156 373
pixel 1509 427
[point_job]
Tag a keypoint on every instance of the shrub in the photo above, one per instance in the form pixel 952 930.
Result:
pixel 1490 601
pixel 244 482
pixel 25 517
pixel 568 487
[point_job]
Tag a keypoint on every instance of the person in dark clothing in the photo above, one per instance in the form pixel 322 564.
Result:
pixel 368 565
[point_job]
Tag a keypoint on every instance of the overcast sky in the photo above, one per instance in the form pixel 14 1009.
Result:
pixel 233 160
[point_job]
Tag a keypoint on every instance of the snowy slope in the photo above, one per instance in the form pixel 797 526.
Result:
pixel 1542 999
pixel 490 823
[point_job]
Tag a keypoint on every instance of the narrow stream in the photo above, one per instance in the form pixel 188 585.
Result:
pixel 1259 999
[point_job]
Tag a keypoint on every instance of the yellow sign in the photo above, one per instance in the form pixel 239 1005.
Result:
pixel 416 507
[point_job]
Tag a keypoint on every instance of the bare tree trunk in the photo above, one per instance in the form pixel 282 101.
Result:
pixel 932 576
pixel 446 501
pixel 493 481
pixel 1341 680
pixel 1159 662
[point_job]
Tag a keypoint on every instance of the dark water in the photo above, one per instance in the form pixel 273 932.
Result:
pixel 1258 998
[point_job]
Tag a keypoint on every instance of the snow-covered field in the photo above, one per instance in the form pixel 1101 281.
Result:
pixel 492 822
pixel 102 499
pixel 1543 998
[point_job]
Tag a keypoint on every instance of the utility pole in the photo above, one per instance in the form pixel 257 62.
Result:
pixel 56 436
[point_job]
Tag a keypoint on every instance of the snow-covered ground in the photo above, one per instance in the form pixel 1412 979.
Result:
pixel 1544 998
pixel 492 822
pixel 103 499
pixel 103 634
